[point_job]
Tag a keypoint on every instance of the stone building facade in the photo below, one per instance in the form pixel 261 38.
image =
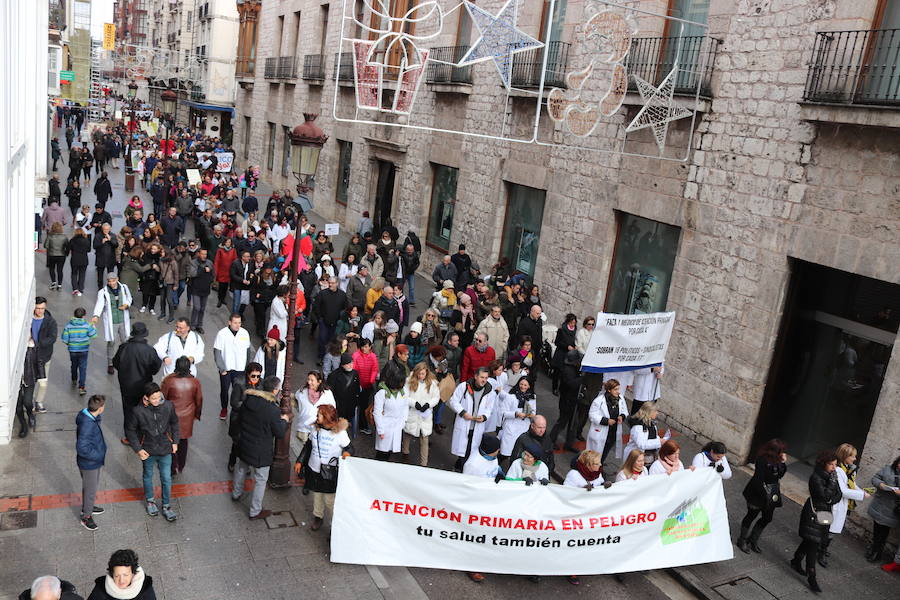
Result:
pixel 782 226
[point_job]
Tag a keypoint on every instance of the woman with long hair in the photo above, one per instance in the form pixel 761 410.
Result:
pixel 271 355
pixel 422 395
pixel 816 516
pixel 644 432
pixel 850 496
pixel 712 456
pixel 314 394
pixel 328 441
pixel 633 467
pixel 763 493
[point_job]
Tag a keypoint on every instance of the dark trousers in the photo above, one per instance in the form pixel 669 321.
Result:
pixel 580 420
pixel 765 519
pixel 566 412
pixel 149 300
pixel 55 264
pixel 180 458
pixel 101 275
pixel 78 278
pixel 611 436
pixel 296 356
pixel 880 535
pixel 222 292
pixel 636 405
pixel 225 382
pixel 810 550
pixel 25 405
pixel 326 334
pixel 78 362
pixel 461 461
pixel 128 404
pixel 384 455
pixel 259 318
pixel 198 310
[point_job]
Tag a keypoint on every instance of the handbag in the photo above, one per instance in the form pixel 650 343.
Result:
pixel 772 495
pixel 824 517
pixel 329 471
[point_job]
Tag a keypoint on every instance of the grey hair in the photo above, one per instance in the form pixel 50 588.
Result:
pixel 46 583
pixel 332 280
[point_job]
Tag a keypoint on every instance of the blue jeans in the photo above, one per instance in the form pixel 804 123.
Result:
pixel 438 411
pixel 79 366
pixel 236 300
pixel 411 286
pixel 176 293
pixel 165 477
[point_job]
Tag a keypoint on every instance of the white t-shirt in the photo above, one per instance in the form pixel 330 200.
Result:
pixel 326 445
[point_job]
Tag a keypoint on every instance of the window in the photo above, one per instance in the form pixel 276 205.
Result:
pixel 397 9
pixel 190 19
pixel 343 179
pixel 286 152
pixel 324 32
pixel 642 268
pixel 270 152
pixel 246 138
pixel 522 227
pixel 443 199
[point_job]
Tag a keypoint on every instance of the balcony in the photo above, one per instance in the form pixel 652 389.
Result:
pixel 271 68
pixel 446 73
pixel 245 67
pixel 528 65
pixel 653 58
pixel 854 78
pixel 314 68
pixel 281 67
pixel 343 66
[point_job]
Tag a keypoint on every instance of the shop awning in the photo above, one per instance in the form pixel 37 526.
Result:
pixel 200 106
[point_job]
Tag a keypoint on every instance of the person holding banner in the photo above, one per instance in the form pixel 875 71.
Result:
pixel 763 493
pixel 712 455
pixel 645 432
pixel 633 468
pixel 484 463
pixel 607 413
pixel 646 386
pixel 472 401
pixel 669 459
pixel 391 412
pixel 328 441
pixel 529 467
pixel 517 407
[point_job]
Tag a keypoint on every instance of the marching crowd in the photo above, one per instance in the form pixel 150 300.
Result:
pixel 466 367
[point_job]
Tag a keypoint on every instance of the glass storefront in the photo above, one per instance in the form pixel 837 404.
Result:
pixel 443 199
pixel 522 227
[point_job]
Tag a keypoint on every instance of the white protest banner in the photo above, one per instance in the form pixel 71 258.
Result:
pixel 627 342
pixel 193 176
pixel 401 515
pixel 332 229
pixel 226 160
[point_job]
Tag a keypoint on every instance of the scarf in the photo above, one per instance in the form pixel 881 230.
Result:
pixel 114 292
pixel 612 405
pixel 850 470
pixel 530 470
pixel 450 295
pixel 585 472
pixel 522 398
pixel 137 584
pixel 313 395
pixel 388 391
pixel 670 467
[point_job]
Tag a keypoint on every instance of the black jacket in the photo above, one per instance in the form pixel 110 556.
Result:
pixel 754 492
pixel 172 230
pixel 79 248
pixel 260 425
pixel 330 305
pixel 545 443
pixel 136 363
pixel 564 339
pixel 824 493
pixel 99 219
pixel 532 328
pixel 55 192
pixel 238 395
pixel 68 592
pixel 105 251
pixel 46 338
pixel 410 262
pixel 103 189
pixel 462 262
pixel 390 307
pixel 236 274
pixel 345 387
pixel 99 593
pixel 153 428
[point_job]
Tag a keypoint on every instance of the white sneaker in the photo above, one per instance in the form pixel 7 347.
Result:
pixel 152 312
pixel 143 309
pixel 80 294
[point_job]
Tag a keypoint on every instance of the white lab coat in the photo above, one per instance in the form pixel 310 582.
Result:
pixel 513 426
pixel 646 385
pixel 640 438
pixel 839 510
pixel 701 461
pixel 462 400
pixel 345 273
pixel 576 479
pixel 278 316
pixel 169 345
pixel 259 357
pixel 657 468
pixel 496 419
pixel 515 471
pixel 390 412
pixel 233 347
pixel 419 423
pixel 308 412
pixel 102 309
pixel 599 430
pixel 479 466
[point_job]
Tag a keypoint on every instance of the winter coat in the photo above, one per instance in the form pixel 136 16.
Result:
pixel 840 509
pixel 238 395
pixel 356 290
pixel 77 335
pixel 543 441
pixel 103 190
pixel 390 307
pixel 105 251
pixel 881 508
pixel 824 493
pixel 390 413
pixel 376 265
pixel 46 338
pixel 145 592
pixel 151 278
pixel 260 424
pixel 168 272
pixel 73 193
pixel 79 248
pixel 56 244
pixel 454 357
pixel 53 213
pixel 344 386
pixel 131 271
pixel 223 260
pixel 472 359
pixel 172 228
pixel 201 279
pixel 764 473
pixel 136 362
pixel 366 365
pixel 599 429
pixel 153 428
pixel 564 339
pixel 532 328
pixel 497 332
pixel 355 249
pixel 410 263
pixel 90 447
pixel 419 422
pixel 68 593
pixel 186 394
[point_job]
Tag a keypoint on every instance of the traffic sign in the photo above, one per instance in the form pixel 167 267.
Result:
pixel 67 75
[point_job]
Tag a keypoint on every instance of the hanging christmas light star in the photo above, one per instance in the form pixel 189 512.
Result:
pixel 659 108
pixel 500 38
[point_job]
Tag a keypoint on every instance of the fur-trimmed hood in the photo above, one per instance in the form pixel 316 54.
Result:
pixel 267 396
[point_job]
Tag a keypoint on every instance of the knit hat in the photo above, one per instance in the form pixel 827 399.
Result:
pixel 274 333
pixel 391 327
pixel 534 449
pixel 402 349
pixel 417 327
pixel 489 444
pixel 346 358
pixel 448 285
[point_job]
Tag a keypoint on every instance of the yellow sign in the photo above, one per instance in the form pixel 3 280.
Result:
pixel 109 36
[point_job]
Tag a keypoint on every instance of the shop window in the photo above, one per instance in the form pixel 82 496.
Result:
pixel 642 265
pixel 286 152
pixel 343 179
pixel 522 227
pixel 443 199
pixel 270 151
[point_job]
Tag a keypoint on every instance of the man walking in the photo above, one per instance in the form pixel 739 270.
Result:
pixel 112 306
pixel 201 273
pixel 103 189
pixel 478 355
pixel 239 274
pixel 90 450
pixel 43 332
pixel 105 245
pixel 472 401
pixel 410 261
pixel 181 342
pixel 172 226
pixel 136 362
pixel 77 335
pixel 328 306
pixel 153 434
pixel 260 424
pixel 444 271
pixel 232 351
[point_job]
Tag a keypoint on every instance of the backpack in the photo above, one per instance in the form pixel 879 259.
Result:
pixel 412 238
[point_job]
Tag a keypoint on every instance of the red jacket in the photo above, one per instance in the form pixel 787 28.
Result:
pixel 366 365
pixel 472 359
pixel 222 264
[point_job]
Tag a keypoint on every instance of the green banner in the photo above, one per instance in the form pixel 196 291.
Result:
pixel 67 75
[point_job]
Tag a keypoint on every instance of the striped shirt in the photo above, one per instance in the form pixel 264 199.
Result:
pixel 77 335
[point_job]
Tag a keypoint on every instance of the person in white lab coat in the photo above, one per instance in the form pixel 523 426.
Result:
pixel 309 398
pixel 181 342
pixel 646 386
pixel 422 394
pixel 669 460
pixel 484 463
pixel 278 314
pixel 391 411
pixel 633 468
pixel 529 467
pixel 607 414
pixel 516 407
pixel 644 432
pixel 472 401
pixel 712 455
pixel 231 351
pixel 497 379
pixel 850 495
pixel 587 471
pixel 112 306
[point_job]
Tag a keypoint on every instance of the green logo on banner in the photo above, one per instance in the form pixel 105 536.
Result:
pixel 688 521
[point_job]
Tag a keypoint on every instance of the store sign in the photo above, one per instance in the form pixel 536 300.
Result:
pixel 109 36
pixel 66 76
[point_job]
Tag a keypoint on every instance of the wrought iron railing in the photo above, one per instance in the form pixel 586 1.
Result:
pixel 271 68
pixel 287 67
pixel 314 67
pixel 653 58
pixel 444 73
pixel 343 66
pixel 527 66
pixel 855 67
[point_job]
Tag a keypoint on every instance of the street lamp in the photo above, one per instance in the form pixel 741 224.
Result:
pixel 132 92
pixel 169 102
pixel 306 145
